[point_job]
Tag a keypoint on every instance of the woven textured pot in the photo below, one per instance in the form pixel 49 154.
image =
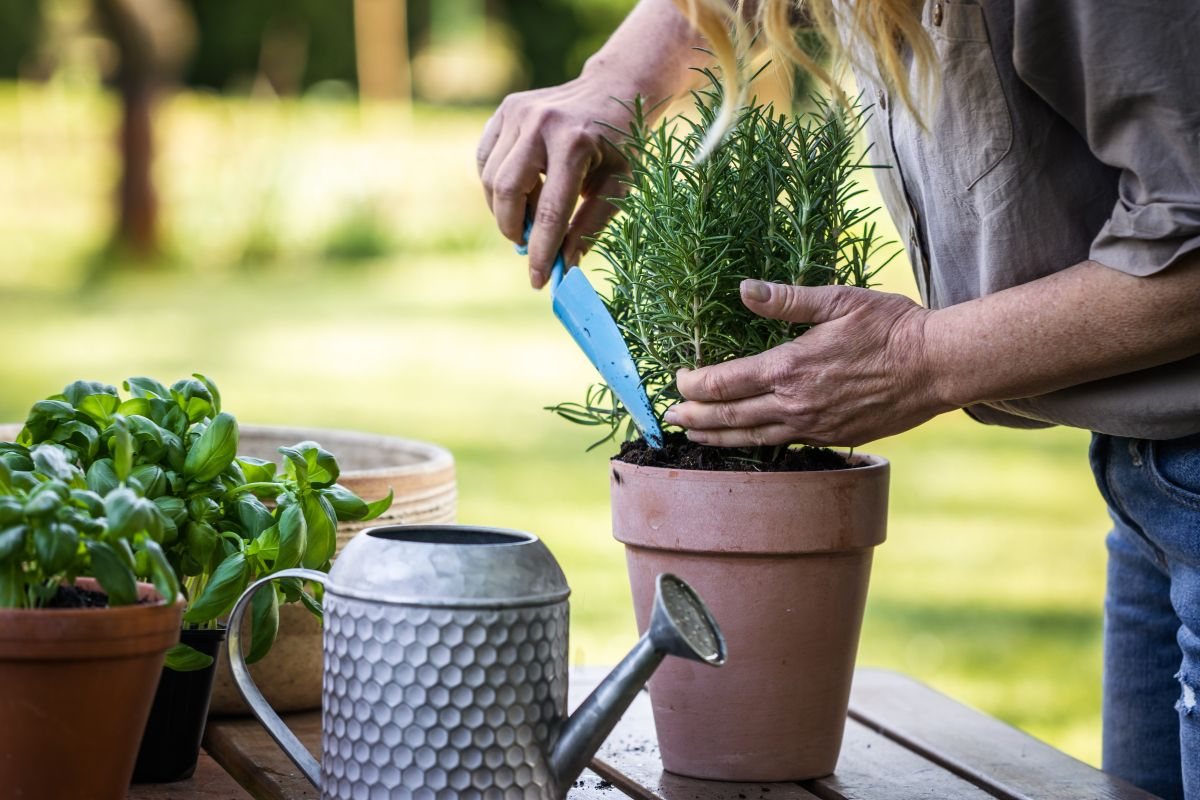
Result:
pixel 78 684
pixel 422 477
pixel 783 561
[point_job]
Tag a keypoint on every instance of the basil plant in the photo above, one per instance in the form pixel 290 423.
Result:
pixel 227 520
pixel 54 528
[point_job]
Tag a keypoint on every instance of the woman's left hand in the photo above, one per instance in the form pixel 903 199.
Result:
pixel 861 372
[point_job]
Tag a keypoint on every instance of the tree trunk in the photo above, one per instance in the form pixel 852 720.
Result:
pixel 381 49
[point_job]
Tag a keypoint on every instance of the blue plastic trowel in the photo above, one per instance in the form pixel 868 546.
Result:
pixel 582 313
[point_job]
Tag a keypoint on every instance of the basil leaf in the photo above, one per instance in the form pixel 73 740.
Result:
pixel 182 658
pixel 89 501
pixel 43 418
pixel 129 515
pixel 99 407
pixel 201 540
pixel 193 398
pixel 173 508
pixel 55 545
pixel 15 457
pixel 54 461
pixel 161 573
pixel 80 437
pixel 293 537
pixel 78 391
pixel 12 542
pixel 150 480
pixel 320 466
pixel 148 438
pixel 226 585
pixel 322 530
pixel 256 470
pixel 379 506
pixel 102 477
pixel 214 451
pixel 252 515
pixel 135 406
pixel 213 393
pixel 112 573
pixel 312 605
pixel 264 621
pixel 121 448
pixel 146 387
pixel 346 504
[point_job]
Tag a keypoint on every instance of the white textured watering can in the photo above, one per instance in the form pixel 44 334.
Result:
pixel 446 667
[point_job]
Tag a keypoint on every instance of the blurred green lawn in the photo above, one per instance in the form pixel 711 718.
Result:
pixel 989 586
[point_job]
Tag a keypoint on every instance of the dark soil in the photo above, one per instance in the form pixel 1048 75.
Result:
pixel 679 453
pixel 73 597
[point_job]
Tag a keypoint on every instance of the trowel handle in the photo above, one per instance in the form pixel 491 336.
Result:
pixel 283 735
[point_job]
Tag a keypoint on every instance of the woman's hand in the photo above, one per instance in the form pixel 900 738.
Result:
pixel 860 373
pixel 560 132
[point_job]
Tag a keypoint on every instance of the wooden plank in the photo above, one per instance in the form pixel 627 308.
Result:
pixel 984 751
pixel 630 760
pixel 243 747
pixel 209 781
pixel 873 767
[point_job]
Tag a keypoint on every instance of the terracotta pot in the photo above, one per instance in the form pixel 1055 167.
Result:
pixel 78 684
pixel 422 477
pixel 782 559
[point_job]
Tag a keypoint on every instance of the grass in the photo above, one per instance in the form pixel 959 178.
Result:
pixel 989 586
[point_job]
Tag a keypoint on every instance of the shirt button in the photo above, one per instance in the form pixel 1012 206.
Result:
pixel 937 13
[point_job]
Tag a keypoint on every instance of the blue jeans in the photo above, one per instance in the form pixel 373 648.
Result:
pixel 1152 612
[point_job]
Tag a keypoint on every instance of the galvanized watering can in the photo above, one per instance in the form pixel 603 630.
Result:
pixel 446 667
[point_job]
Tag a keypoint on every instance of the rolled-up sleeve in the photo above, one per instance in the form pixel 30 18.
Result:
pixel 1126 75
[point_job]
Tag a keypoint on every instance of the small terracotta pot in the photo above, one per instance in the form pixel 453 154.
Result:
pixel 78 684
pixel 426 491
pixel 782 559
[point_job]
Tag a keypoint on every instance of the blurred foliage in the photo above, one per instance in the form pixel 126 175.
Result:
pixel 361 234
pixel 20 32
pixel 556 36
pixel 229 50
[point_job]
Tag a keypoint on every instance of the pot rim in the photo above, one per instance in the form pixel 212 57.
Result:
pixel 870 463
pixel 52 634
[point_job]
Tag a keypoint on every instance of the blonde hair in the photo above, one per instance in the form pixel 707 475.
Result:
pixel 885 26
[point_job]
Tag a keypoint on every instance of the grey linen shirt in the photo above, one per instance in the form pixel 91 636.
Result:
pixel 1065 130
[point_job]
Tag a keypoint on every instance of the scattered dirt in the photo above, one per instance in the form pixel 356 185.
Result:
pixel 73 597
pixel 679 453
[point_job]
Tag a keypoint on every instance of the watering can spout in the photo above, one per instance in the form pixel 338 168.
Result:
pixel 680 625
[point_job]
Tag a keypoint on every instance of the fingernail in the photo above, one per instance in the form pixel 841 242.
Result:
pixel 535 279
pixel 671 416
pixel 758 291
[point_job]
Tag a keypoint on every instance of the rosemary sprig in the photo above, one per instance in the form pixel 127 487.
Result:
pixel 776 202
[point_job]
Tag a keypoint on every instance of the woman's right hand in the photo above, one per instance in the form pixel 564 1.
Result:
pixel 562 133
pixel 544 149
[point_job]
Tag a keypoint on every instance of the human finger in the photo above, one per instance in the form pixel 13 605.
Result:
pixel 763 435
pixel 801 304
pixel 551 216
pixel 517 178
pixel 489 175
pixel 732 380
pixel 751 412
pixel 590 218
pixel 488 139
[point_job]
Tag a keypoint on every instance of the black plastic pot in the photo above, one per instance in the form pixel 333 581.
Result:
pixel 171 743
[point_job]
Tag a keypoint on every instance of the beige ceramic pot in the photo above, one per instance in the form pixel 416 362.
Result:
pixel 782 559
pixel 77 687
pixel 422 477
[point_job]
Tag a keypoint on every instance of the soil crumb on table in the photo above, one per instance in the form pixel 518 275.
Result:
pixel 679 453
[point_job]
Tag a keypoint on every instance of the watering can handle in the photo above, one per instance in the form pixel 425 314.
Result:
pixel 283 735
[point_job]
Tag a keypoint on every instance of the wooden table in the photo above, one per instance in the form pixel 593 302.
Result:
pixel 903 741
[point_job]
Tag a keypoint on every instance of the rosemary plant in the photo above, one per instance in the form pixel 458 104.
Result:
pixel 776 201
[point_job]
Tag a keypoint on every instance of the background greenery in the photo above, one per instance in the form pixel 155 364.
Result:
pixel 989 586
